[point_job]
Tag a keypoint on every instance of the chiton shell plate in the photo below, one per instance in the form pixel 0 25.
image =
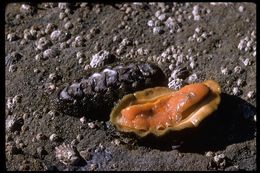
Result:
pixel 96 93
pixel 160 110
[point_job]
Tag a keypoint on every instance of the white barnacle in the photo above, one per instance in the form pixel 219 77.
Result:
pixel 43 43
pixel 102 58
pixel 224 70
pixel 9 103
pixel 55 35
pixel 236 91
pixel 13 123
pixel 67 154
pixel 54 137
pixel 176 84
pixel 251 94
pixel 192 78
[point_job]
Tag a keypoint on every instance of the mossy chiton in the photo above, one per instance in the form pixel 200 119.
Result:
pixel 159 110
pixel 96 94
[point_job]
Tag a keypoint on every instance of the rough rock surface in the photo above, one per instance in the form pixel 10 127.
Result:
pixel 209 40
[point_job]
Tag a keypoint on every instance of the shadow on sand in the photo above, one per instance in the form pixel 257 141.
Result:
pixel 231 123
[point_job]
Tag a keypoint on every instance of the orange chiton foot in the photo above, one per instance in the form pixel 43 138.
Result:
pixel 160 109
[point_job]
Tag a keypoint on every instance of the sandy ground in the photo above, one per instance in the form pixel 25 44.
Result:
pixel 211 40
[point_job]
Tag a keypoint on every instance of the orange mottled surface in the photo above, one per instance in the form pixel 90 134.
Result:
pixel 165 111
